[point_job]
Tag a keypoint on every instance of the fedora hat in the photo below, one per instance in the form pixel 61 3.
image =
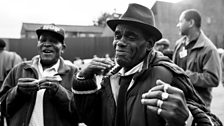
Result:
pixel 140 16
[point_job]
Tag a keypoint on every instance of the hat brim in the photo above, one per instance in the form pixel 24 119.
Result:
pixel 151 30
pixel 59 36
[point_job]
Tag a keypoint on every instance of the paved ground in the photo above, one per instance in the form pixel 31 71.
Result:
pixel 217 106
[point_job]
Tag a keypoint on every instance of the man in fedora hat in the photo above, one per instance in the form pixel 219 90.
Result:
pixel 144 88
pixel 38 92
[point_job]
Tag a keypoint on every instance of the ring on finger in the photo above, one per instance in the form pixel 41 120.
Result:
pixel 165 87
pixel 165 96
pixel 159 110
pixel 159 103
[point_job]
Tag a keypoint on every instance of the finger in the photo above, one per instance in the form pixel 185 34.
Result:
pixel 104 60
pixel 160 82
pixel 104 64
pixel 157 95
pixel 48 85
pixel 166 105
pixel 156 88
pixel 52 78
pixel 154 102
pixel 49 79
pixel 98 66
pixel 165 87
pixel 159 111
pixel 152 94
pixel 26 79
pixel 28 86
pixel 156 110
pixel 150 102
pixel 160 85
pixel 44 87
pixel 45 84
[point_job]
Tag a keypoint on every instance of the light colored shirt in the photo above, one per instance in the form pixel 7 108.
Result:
pixel 37 118
pixel 114 79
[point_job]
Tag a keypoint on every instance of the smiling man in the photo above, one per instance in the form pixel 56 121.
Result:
pixel 38 92
pixel 144 88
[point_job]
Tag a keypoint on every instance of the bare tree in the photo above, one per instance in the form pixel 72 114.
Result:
pixel 101 21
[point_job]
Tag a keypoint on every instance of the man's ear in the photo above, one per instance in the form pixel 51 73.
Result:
pixel 192 23
pixel 63 48
pixel 148 46
pixel 150 43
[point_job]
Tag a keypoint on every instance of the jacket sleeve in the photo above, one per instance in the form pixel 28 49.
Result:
pixel 210 76
pixel 88 101
pixel 64 99
pixel 202 116
pixel 222 68
pixel 11 100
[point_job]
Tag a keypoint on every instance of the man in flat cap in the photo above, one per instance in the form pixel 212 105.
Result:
pixel 163 45
pixel 143 88
pixel 38 92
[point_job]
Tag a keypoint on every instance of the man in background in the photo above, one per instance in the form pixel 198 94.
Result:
pixel 8 60
pixel 163 45
pixel 197 55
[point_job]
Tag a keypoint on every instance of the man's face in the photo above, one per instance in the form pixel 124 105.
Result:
pixel 129 44
pixel 49 49
pixel 183 25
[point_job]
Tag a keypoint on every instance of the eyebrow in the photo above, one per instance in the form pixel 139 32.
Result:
pixel 127 32
pixel 131 33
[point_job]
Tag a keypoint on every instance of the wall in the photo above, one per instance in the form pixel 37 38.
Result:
pixel 76 47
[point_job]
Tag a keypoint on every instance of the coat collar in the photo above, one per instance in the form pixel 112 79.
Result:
pixel 63 68
pixel 147 62
pixel 199 44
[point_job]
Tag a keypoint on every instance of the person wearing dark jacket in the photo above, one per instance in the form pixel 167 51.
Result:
pixel 143 88
pixel 38 92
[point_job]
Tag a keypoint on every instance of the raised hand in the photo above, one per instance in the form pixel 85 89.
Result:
pixel 168 102
pixel 27 85
pixel 97 66
pixel 51 84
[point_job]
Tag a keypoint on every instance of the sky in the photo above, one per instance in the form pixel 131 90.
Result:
pixel 65 12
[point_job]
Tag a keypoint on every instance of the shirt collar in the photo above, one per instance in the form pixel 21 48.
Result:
pixel 135 69
pixel 53 69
